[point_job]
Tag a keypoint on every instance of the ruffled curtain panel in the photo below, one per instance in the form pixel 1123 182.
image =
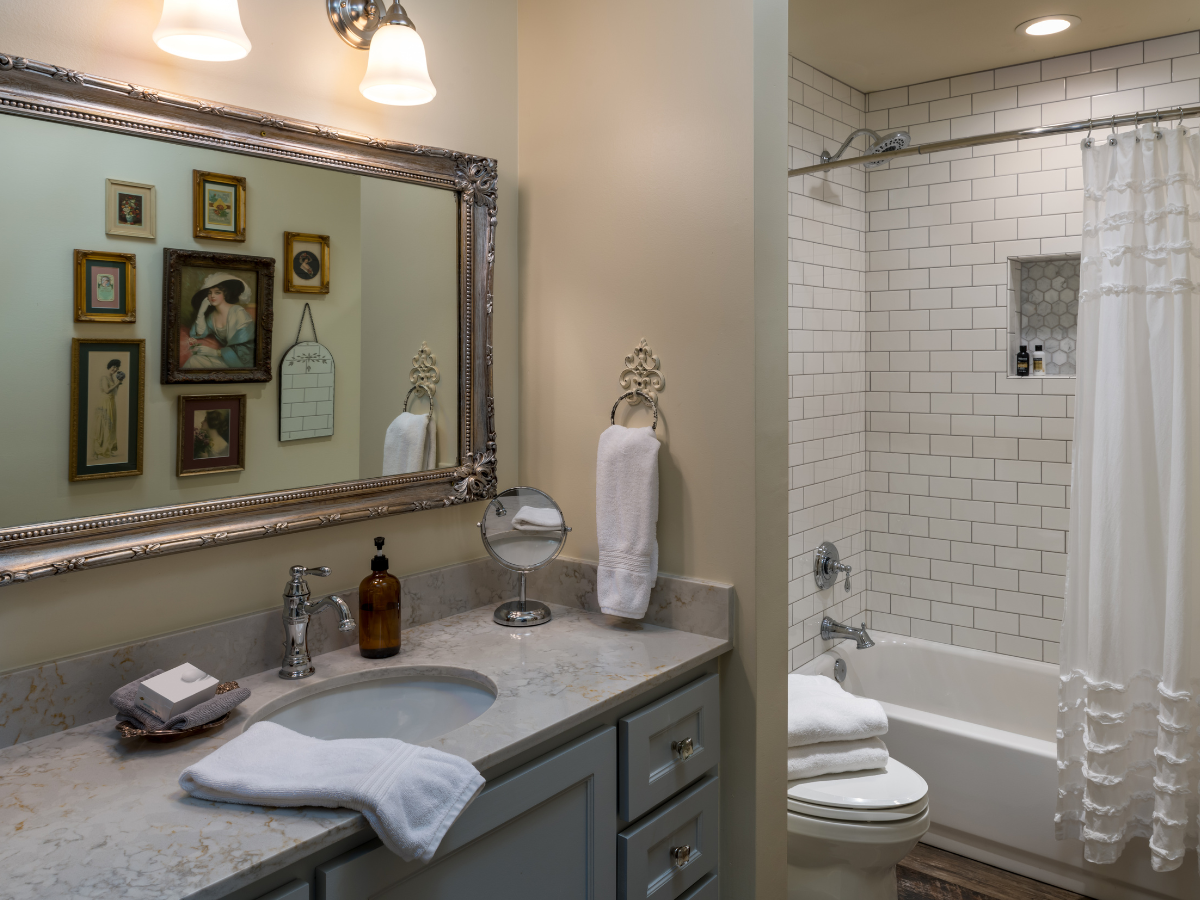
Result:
pixel 1128 747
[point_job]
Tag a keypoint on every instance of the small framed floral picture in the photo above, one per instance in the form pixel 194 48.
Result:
pixel 105 286
pixel 306 263
pixel 212 434
pixel 108 400
pixel 129 208
pixel 218 206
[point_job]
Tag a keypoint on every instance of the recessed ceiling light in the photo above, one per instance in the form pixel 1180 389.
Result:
pixel 1048 25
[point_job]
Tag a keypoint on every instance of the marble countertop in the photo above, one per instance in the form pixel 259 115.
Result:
pixel 85 814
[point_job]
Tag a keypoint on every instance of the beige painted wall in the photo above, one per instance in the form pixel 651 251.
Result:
pixel 653 204
pixel 298 67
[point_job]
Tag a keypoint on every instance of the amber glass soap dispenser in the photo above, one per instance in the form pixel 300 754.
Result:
pixel 379 609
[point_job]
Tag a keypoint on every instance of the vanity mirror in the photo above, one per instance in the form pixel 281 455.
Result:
pixel 523 530
pixel 391 244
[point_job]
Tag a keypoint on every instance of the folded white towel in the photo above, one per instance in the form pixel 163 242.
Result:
pixel 537 519
pixel 819 710
pixel 836 756
pixel 626 519
pixel 410 795
pixel 406 444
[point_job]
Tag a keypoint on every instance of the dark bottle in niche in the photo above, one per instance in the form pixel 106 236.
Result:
pixel 379 609
pixel 1023 361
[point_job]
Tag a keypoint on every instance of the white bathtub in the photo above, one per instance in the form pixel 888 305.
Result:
pixel 979 727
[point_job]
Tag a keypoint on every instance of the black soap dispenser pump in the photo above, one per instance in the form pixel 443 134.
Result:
pixel 379 609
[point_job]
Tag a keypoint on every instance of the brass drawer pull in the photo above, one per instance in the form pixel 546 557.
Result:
pixel 683 749
pixel 681 856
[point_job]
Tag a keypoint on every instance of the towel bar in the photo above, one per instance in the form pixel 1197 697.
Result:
pixel 645 396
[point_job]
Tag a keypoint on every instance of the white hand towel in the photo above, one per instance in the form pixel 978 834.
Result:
pixel 537 519
pixel 405 444
pixel 836 756
pixel 410 795
pixel 819 710
pixel 627 519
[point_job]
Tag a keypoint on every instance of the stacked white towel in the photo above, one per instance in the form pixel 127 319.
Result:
pixel 626 520
pixel 831 730
pixel 410 795
pixel 410 444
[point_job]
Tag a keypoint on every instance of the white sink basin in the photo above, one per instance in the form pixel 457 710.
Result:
pixel 409 707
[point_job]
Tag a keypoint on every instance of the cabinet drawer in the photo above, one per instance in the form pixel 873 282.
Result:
pixel 646 863
pixel 297 890
pixel 654 765
pixel 706 889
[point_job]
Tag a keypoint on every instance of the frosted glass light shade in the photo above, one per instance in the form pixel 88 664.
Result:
pixel 202 29
pixel 396 70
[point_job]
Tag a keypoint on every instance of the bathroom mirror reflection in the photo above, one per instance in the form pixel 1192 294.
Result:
pixel 523 529
pixel 377 260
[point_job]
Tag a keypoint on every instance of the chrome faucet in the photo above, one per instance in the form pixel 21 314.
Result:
pixel 836 631
pixel 297 610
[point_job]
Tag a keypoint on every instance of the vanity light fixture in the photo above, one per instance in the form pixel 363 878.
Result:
pixel 1044 25
pixel 396 70
pixel 202 29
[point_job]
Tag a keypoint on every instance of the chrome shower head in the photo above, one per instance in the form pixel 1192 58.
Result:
pixel 890 142
pixel 896 140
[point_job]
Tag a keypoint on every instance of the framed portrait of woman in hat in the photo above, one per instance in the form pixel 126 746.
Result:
pixel 217 317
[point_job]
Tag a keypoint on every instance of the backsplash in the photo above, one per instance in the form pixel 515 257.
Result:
pixel 44 699
pixel 968 470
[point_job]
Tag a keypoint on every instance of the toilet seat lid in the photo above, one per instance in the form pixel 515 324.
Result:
pixel 891 788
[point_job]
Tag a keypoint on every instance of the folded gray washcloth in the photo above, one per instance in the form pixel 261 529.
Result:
pixel 125 701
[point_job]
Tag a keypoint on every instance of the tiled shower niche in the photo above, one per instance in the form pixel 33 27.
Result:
pixel 1043 299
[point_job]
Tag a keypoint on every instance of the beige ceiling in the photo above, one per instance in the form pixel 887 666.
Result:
pixel 877 44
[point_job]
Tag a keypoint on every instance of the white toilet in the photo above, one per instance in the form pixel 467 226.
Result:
pixel 847 832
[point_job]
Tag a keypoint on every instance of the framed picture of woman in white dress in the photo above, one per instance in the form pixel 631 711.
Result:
pixel 107 405
pixel 212 434
pixel 217 317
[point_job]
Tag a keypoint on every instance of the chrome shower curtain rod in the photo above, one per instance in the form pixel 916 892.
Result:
pixel 1174 113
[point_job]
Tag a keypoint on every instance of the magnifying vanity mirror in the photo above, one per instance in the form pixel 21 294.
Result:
pixel 175 392
pixel 523 530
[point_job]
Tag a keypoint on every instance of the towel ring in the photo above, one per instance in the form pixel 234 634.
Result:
pixel 428 393
pixel 644 396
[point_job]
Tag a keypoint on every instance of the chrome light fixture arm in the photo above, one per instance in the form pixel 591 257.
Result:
pixel 356 21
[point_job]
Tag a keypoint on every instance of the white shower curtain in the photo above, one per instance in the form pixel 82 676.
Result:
pixel 1128 748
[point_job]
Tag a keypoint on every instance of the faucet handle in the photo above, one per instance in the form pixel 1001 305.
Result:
pixel 299 572
pixel 847 570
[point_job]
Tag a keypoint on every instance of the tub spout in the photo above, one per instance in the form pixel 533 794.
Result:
pixel 836 631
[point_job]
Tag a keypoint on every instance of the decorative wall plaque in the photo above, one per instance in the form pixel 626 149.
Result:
pixel 306 387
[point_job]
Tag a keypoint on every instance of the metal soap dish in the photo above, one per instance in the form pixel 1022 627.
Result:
pixel 170 734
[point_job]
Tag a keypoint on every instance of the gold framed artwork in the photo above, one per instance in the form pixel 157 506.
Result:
pixel 130 208
pixel 306 263
pixel 212 434
pixel 218 206
pixel 108 400
pixel 105 286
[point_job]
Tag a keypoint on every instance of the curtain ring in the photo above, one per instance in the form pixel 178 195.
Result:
pixel 1181 128
pixel 1112 138
pixel 1087 141
pixel 1157 120
pixel 1136 125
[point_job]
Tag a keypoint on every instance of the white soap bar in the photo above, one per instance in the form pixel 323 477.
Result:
pixel 176 691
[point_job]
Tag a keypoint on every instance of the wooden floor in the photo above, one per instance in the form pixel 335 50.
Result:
pixel 931 874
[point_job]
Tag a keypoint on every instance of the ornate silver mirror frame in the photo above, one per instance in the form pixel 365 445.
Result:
pixel 44 91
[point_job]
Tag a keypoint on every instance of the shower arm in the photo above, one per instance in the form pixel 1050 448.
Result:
pixel 826 158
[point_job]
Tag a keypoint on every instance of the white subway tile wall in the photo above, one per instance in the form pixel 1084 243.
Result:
pixel 827 342
pixel 967 470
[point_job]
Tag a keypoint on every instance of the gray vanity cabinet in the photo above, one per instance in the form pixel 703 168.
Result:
pixel 546 831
